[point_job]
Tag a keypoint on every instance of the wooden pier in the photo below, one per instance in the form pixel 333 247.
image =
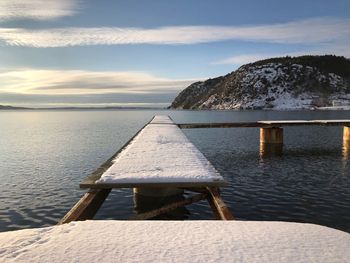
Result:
pixel 271 132
pixel 159 161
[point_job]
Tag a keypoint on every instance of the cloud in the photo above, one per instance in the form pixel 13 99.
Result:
pixel 37 9
pixel 85 100
pixel 316 30
pixel 43 81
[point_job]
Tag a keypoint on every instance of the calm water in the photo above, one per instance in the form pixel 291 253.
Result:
pixel 45 154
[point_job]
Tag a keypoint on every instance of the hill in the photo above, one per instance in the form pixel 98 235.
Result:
pixel 303 82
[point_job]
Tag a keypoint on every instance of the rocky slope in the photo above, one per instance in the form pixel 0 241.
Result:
pixel 279 83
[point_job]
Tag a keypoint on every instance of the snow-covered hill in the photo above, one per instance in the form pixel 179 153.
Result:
pixel 282 83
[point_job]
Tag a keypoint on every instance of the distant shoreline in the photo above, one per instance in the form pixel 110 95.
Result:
pixel 7 107
pixel 330 108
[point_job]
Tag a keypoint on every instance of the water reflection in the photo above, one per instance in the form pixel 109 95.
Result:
pixel 345 155
pixel 346 149
pixel 270 149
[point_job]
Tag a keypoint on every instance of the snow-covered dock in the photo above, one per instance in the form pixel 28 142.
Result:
pixel 159 161
pixel 176 241
pixel 160 155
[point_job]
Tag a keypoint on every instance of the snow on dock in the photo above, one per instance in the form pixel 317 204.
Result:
pixel 176 241
pixel 308 122
pixel 160 155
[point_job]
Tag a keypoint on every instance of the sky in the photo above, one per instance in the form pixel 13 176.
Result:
pixel 143 53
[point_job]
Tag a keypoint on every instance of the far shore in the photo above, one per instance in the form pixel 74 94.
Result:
pixel 328 108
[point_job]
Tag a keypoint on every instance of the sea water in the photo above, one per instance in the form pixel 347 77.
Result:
pixel 45 154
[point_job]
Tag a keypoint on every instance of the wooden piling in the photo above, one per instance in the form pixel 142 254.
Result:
pixel 271 135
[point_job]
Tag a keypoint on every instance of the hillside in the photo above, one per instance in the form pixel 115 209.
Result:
pixel 278 83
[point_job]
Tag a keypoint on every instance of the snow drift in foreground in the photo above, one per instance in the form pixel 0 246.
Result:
pixel 176 241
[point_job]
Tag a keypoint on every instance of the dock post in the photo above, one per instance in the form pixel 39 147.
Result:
pixel 271 141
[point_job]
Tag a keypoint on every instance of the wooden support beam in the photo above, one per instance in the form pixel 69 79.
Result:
pixel 86 207
pixel 219 207
pixel 167 208
pixel 195 189
pixel 157 191
pixel 213 208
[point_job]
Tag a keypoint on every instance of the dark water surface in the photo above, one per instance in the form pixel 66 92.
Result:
pixel 45 154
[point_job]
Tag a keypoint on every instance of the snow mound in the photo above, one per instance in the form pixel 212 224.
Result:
pixel 176 241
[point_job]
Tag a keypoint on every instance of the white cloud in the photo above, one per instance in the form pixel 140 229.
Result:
pixel 37 9
pixel 43 81
pixel 317 30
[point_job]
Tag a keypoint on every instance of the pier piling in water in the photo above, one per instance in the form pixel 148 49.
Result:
pixel 271 135
pixel 271 141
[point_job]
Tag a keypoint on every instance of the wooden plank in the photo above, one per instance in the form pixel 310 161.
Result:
pixel 219 207
pixel 167 208
pixel 86 207
pixel 265 124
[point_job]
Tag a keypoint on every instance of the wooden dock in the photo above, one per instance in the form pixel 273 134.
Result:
pixel 160 161
pixel 271 132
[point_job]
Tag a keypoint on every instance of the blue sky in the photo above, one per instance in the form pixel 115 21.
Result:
pixel 97 53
